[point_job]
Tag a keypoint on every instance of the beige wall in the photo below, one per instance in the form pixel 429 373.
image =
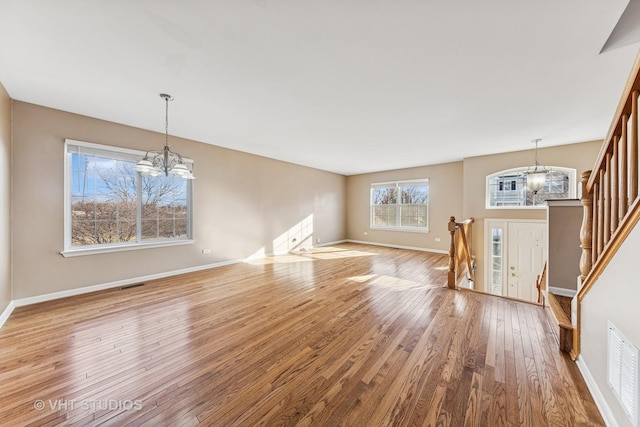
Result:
pixel 458 189
pixel 580 156
pixel 616 298
pixel 242 203
pixel 564 245
pixel 5 199
pixel 445 191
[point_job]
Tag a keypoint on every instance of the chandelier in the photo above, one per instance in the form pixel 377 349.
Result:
pixel 536 175
pixel 165 161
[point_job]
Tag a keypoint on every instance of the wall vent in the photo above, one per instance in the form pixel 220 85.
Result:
pixel 623 374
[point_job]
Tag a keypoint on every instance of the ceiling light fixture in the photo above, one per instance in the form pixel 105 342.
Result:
pixel 155 163
pixel 537 174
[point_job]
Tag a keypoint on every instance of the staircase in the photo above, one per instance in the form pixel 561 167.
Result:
pixel 560 320
pixel 610 198
pixel 462 264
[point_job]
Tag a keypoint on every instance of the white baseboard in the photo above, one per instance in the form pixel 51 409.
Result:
pixel 335 242
pixel 100 287
pixel 387 245
pixel 87 289
pixel 125 282
pixel 6 313
pixel 598 398
pixel 563 292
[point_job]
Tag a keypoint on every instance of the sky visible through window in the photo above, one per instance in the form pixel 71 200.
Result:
pixel 107 207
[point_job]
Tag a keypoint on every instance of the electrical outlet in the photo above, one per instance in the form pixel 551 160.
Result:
pixel 206 251
pixel 366 234
pixel 317 240
pixel 437 239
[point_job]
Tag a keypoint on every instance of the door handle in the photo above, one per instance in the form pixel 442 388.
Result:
pixel 513 274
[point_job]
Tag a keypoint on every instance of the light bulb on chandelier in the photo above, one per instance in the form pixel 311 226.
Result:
pixel 537 174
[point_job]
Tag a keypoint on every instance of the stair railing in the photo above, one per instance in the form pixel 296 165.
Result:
pixel 461 261
pixel 609 196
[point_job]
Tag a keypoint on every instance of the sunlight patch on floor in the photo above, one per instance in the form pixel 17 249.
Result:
pixel 279 259
pixel 333 253
pixel 306 255
pixel 390 282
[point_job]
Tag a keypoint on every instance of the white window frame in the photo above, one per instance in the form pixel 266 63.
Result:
pixel 123 154
pixel 399 184
pixel 569 171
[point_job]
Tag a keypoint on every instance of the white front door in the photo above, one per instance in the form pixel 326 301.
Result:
pixel 526 254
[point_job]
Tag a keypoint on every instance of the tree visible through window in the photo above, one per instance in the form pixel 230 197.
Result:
pixel 400 205
pixel 110 203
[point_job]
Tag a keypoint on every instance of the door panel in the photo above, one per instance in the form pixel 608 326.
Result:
pixel 526 255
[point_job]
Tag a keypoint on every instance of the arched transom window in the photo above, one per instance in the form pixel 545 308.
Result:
pixel 507 189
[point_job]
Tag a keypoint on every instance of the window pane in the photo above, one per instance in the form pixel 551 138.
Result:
pixel 384 196
pixel 496 261
pixel 107 195
pixel 164 201
pixel 510 189
pixel 497 251
pixel 507 190
pixel 400 205
pixel 384 216
pixel 103 200
pixel 556 187
pixel 414 194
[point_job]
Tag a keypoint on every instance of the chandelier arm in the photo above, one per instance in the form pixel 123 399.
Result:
pixel 164 160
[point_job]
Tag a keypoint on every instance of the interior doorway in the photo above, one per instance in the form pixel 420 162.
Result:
pixel 516 251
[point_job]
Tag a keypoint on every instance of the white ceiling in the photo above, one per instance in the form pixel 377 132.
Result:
pixel 348 86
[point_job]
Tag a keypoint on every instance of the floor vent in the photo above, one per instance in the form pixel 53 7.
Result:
pixel 131 286
pixel 623 373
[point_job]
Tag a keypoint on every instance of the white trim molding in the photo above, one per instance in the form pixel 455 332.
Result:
pixel 118 283
pixel 125 282
pixel 388 245
pixel 598 398
pixel 141 279
pixel 335 242
pixel 6 313
pixel 563 292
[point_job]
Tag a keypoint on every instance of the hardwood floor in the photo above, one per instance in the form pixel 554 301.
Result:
pixel 353 335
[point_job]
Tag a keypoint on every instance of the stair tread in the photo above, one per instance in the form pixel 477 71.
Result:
pixel 558 312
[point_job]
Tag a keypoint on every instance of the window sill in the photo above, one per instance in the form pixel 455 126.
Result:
pixel 133 247
pixel 516 208
pixel 404 230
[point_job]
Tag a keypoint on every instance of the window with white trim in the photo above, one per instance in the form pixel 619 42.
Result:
pixel 110 205
pixel 508 188
pixel 400 205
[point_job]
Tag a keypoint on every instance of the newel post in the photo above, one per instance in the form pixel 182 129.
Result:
pixel 586 235
pixel 451 277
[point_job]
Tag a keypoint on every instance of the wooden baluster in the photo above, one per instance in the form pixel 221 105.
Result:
pixel 613 182
pixel 472 258
pixel 594 220
pixel 587 227
pixel 600 212
pixel 451 277
pixel 623 172
pixel 606 186
pixel 633 149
